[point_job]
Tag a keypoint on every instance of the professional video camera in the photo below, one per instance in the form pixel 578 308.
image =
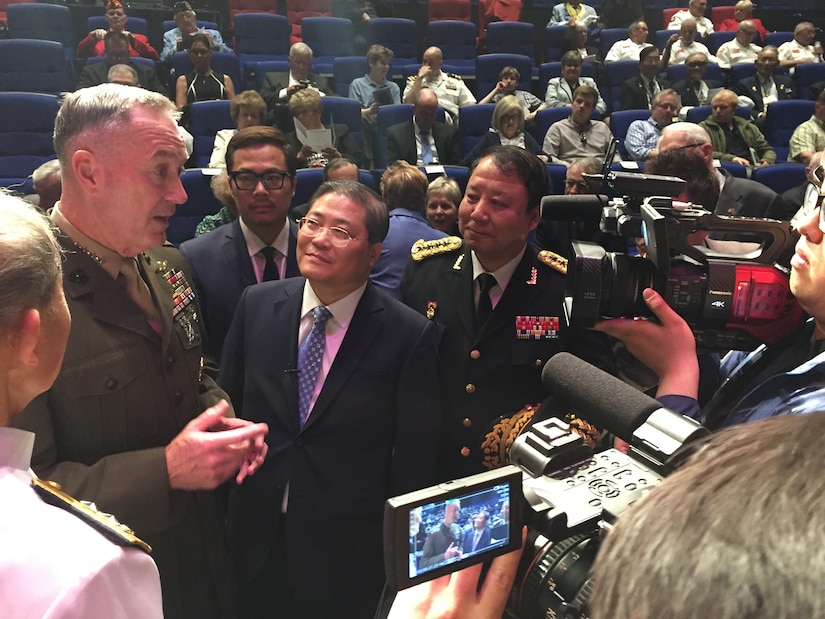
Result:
pixel 730 300
pixel 572 497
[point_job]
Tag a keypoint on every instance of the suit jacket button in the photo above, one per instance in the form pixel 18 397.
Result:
pixel 475 354
pixel 539 363
pixel 111 383
pixel 299 442
pixel 471 388
pixel 467 422
pixel 177 397
pixel 465 451
pixel 170 361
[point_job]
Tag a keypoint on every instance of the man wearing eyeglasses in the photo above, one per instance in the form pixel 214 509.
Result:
pixel 695 89
pixel 116 51
pixel 260 244
pixel 642 136
pixel 348 381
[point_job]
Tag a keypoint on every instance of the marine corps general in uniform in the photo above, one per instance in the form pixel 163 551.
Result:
pixel 493 369
pixel 451 90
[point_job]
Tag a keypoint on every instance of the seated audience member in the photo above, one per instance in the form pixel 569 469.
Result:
pixel 743 10
pixel 578 136
pixel 507 128
pixel 800 50
pixel 572 13
pixel 696 10
pixel 629 48
pixel 404 191
pixel 248 109
pixel 228 211
pixel 576 39
pixel 363 88
pixel 803 198
pixel 279 87
pixel 186 25
pixel 307 106
pixel 443 197
pixel 642 138
pixel 740 50
pixel 695 89
pixel 638 91
pixel 260 245
pixel 557 235
pixel 422 140
pixel 740 197
pixel 490 11
pixel 125 75
pixel 508 79
pixel 92 44
pixel 116 51
pixel 758 562
pixel 809 137
pixel 451 90
pixel 765 87
pixel 560 89
pixel 340 169
pixel 47 183
pixel 683 44
pixel 77 570
pixel 202 83
pixel 359 12
pixel 735 139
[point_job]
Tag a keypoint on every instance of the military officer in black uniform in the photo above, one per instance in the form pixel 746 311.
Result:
pixel 495 337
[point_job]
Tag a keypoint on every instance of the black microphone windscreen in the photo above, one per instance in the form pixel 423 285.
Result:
pixel 580 207
pixel 600 398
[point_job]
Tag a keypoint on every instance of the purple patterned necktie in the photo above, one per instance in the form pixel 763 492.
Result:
pixel 310 354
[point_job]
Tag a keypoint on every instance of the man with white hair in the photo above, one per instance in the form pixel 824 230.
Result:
pixel 696 10
pixel 629 48
pixel 741 49
pixel 683 44
pixel 800 50
pixel 279 86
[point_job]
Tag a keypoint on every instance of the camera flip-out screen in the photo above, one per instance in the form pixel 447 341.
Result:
pixel 445 528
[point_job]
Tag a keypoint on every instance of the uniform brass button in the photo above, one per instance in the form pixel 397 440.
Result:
pixel 111 383
pixel 471 388
pixel 177 398
pixel 465 451
pixel 467 422
pixel 475 354
pixel 539 363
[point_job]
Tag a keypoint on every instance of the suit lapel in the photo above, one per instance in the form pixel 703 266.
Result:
pixel 366 325
pixel 286 310
pixel 291 260
pixel 458 284
pixel 237 253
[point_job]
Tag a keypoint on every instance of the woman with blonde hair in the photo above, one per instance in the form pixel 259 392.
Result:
pixel 307 107
pixel 507 129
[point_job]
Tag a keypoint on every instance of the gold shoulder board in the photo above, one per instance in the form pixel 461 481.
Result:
pixel 424 249
pixel 554 261
pixel 454 76
pixel 106 524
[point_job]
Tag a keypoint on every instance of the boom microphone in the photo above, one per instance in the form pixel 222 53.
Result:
pixel 612 404
pixel 581 207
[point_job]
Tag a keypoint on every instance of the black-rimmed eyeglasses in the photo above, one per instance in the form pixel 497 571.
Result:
pixel 247 181
pixel 339 237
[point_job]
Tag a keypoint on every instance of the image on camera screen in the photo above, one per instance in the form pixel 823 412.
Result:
pixel 454 530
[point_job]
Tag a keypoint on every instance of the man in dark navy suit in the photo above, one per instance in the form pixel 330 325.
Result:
pixel 260 244
pixel 348 379
pixel 764 88
pixel 638 91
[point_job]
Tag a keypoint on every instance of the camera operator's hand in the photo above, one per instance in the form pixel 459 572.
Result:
pixel 667 347
pixel 455 597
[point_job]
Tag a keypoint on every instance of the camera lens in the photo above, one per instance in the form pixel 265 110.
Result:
pixel 554 579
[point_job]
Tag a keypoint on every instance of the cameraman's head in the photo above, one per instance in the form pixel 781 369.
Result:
pixel 735 533
pixel 686 158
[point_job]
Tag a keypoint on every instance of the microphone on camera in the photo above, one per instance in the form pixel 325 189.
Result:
pixel 609 403
pixel 581 207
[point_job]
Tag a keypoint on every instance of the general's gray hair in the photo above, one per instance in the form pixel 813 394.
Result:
pixel 99 110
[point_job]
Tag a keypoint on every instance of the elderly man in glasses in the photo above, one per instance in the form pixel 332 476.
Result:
pixel 260 244
pixel 348 380
pixel 642 136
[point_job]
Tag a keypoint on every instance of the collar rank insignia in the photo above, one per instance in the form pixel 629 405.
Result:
pixel 431 307
pixel 537 327
pixel 554 261
pixel 424 249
